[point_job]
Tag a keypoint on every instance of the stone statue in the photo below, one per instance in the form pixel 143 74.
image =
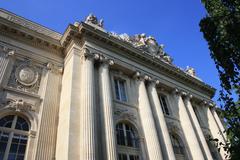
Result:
pixel 190 71
pixel 91 19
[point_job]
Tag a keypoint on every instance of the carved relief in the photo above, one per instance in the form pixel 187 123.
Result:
pixel 25 76
pixel 124 114
pixel 20 106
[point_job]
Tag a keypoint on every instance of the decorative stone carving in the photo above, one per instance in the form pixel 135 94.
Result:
pixel 146 44
pixel 25 76
pixel 92 19
pixel 20 106
pixel 55 69
pixel 190 71
pixel 124 114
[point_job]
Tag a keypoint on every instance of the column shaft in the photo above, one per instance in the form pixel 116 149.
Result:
pixel 106 104
pixel 146 116
pixel 161 123
pixel 88 109
pixel 215 131
pixel 198 129
pixel 188 131
pixel 220 125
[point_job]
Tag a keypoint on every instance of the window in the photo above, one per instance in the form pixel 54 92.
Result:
pixel 122 156
pixel 126 135
pixel 120 89
pixel 163 102
pixel 178 147
pixel 213 149
pixel 128 141
pixel 13 137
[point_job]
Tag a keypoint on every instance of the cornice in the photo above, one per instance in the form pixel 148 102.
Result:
pixel 27 32
pixel 84 30
pixel 29 24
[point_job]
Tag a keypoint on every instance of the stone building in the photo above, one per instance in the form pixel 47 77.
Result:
pixel 90 94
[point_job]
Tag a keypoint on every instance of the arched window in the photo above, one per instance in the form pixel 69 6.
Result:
pixel 13 137
pixel 128 142
pixel 178 147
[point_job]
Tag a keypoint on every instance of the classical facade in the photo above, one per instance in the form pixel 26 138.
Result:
pixel 90 94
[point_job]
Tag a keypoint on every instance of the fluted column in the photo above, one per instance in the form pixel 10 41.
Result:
pixel 197 127
pixel 149 129
pixel 106 105
pixel 160 122
pixel 188 129
pixel 220 125
pixel 88 109
pixel 214 129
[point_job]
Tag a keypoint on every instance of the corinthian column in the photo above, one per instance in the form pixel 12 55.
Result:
pixel 160 121
pixel 197 127
pixel 188 129
pixel 106 105
pixel 219 123
pixel 88 109
pixel 146 116
pixel 214 129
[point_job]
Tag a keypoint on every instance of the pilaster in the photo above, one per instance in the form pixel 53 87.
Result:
pixel 68 138
pixel 47 134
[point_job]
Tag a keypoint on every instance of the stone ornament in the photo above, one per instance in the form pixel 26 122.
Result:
pixel 20 106
pixel 191 71
pixel 26 75
pixel 92 19
pixel 146 44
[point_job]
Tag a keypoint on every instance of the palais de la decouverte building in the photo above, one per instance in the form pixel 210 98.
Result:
pixel 90 94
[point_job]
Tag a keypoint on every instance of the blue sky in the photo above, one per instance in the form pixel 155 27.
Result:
pixel 172 22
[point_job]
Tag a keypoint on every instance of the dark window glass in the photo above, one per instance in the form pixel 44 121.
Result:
pixel 133 157
pixel 21 124
pixel 120 89
pixel 164 105
pixel 122 156
pixel 3 143
pixel 126 135
pixel 6 121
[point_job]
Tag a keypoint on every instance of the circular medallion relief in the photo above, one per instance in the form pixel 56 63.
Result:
pixel 26 75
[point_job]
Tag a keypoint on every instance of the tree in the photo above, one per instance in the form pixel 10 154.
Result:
pixel 221 29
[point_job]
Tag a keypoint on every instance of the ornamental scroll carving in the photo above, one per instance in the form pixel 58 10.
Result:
pixel 25 76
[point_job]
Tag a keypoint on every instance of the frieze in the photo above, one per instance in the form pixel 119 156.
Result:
pixel 25 76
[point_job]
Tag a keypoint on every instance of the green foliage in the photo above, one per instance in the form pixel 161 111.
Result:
pixel 221 29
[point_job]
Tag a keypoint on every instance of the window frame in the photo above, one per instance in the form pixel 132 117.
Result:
pixel 167 104
pixel 120 99
pixel 15 132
